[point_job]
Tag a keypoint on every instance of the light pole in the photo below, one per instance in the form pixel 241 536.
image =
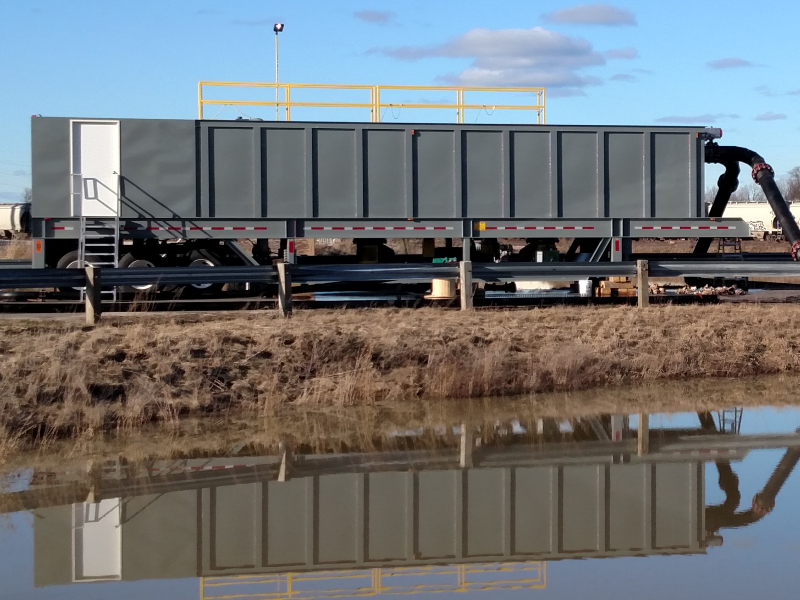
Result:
pixel 278 27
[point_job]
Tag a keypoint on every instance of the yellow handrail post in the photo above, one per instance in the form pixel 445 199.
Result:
pixel 200 100
pixel 542 104
pixel 288 102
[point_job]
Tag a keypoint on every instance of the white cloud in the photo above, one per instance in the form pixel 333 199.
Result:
pixel 771 116
pixel 764 90
pixel 20 173
pixel 592 14
pixel 529 57
pixel 795 93
pixel 565 92
pixel 732 62
pixel 623 53
pixel 624 77
pixel 703 119
pixel 380 17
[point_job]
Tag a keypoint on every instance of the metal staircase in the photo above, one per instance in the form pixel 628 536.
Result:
pixel 729 248
pixel 98 245
pixel 729 420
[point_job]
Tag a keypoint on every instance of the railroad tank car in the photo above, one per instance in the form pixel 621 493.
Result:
pixel 760 217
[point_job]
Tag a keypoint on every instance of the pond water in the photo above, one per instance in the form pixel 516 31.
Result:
pixel 700 505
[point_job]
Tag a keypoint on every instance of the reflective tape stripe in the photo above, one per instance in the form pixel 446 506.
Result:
pixel 202 468
pixel 649 227
pixel 63 228
pixel 216 228
pixel 378 228
pixel 534 227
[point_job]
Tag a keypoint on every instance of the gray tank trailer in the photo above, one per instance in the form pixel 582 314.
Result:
pixel 180 192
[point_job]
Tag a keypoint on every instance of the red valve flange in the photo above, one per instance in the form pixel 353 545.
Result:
pixel 761 167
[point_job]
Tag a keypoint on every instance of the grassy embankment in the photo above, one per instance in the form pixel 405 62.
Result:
pixel 59 380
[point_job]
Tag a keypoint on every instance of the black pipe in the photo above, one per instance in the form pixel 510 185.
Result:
pixel 764 501
pixel 764 176
pixel 727 184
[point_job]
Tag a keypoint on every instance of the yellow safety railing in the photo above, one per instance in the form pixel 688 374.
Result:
pixel 373 582
pixel 376 102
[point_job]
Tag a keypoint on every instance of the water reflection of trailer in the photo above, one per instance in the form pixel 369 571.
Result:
pixel 400 516
pixel 505 506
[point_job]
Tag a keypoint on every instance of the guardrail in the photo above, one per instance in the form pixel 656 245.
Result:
pixel 283 274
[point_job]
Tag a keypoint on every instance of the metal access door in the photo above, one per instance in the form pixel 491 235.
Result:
pixel 97 541
pixel 95 168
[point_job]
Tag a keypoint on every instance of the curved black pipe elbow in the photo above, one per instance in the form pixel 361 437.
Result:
pixel 764 176
pixel 727 184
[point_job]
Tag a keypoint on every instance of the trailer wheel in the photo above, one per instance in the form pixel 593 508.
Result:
pixel 204 258
pixel 129 261
pixel 69 261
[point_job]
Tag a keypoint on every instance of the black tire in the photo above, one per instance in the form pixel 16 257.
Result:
pixel 68 261
pixel 129 261
pixel 203 257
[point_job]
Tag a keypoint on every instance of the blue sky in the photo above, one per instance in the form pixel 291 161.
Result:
pixel 706 63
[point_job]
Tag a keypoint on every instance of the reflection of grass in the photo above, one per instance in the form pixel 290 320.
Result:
pixel 381 426
pixel 59 380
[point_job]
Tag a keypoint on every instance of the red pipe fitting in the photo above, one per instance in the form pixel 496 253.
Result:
pixel 796 250
pixel 761 167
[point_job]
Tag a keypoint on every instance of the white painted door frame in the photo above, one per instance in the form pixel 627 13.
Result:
pixel 94 167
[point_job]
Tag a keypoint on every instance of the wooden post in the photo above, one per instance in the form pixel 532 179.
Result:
pixel 643 283
pixel 643 435
pixel 467 443
pixel 92 295
pixel 284 289
pixel 465 280
pixel 285 453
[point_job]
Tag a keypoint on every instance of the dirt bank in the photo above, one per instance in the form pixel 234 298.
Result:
pixel 58 379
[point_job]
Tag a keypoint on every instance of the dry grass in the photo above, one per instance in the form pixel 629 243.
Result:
pixel 687 245
pixel 16 249
pixel 59 380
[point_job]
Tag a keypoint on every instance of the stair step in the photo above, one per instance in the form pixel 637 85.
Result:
pixel 99 246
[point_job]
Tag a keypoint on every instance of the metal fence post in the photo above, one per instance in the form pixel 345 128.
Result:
pixel 92 295
pixel 643 283
pixel 284 289
pixel 465 279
